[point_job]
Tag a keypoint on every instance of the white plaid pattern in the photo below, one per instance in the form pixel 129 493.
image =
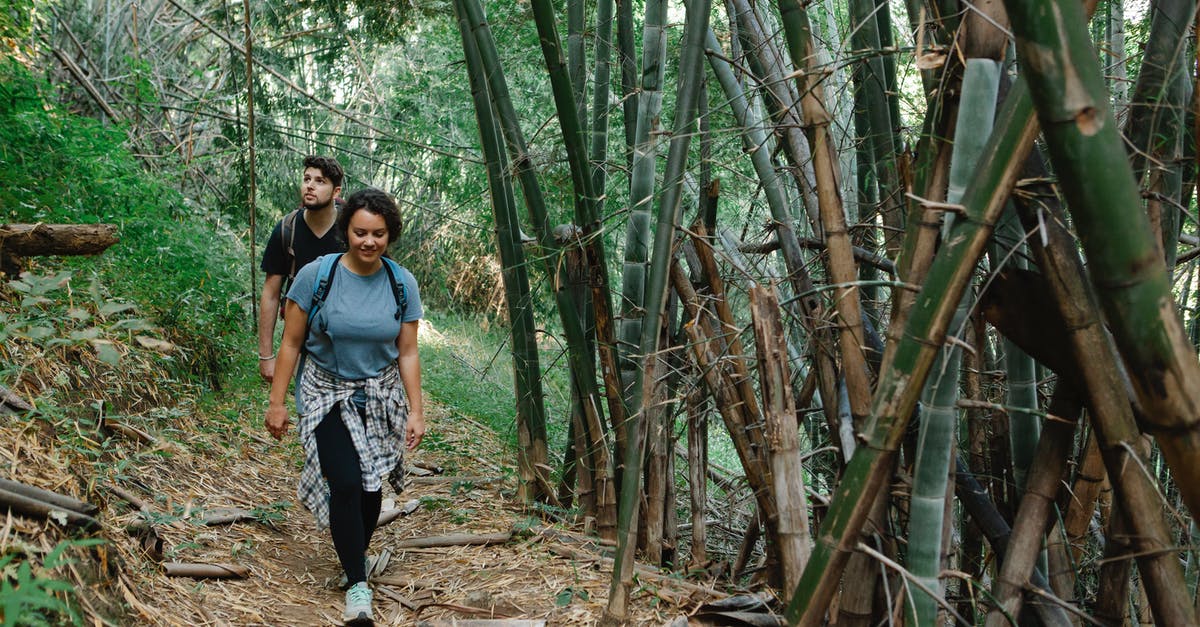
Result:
pixel 380 444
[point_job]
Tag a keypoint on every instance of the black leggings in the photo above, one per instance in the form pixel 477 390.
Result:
pixel 353 511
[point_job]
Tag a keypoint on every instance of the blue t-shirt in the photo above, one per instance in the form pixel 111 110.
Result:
pixel 354 332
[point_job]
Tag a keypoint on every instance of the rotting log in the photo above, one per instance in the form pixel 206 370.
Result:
pixel 28 240
pixel 205 571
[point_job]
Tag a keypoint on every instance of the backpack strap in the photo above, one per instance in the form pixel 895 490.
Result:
pixel 325 273
pixel 396 279
pixel 287 234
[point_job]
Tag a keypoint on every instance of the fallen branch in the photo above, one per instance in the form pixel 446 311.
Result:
pixel 51 498
pixel 395 596
pixel 205 571
pixel 129 497
pixel 10 403
pixel 132 433
pixel 40 510
pixel 455 539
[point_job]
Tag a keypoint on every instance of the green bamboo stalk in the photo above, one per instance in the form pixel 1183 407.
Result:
pixel 780 100
pixel 627 60
pixel 1161 92
pixel 641 194
pixel 872 85
pixel 939 400
pixel 587 216
pixel 1128 274
pixel 900 385
pixel 531 411
pixel 1095 365
pixel 582 367
pixel 691 78
pixel 576 56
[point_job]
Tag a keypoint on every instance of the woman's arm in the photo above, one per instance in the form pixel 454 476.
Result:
pixel 410 374
pixel 295 325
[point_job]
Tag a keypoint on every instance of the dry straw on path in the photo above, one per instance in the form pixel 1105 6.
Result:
pixel 197 467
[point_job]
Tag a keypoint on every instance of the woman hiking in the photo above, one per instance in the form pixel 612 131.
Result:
pixel 355 315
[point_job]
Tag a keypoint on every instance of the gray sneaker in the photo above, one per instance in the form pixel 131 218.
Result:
pixel 358 606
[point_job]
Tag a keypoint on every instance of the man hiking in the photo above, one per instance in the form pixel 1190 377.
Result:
pixel 297 239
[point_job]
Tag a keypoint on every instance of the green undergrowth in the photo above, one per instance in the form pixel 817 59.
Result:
pixel 178 264
pixel 466 365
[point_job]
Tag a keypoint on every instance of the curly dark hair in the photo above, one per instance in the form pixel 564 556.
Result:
pixel 328 167
pixel 374 201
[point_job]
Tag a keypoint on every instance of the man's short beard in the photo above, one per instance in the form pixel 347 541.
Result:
pixel 315 206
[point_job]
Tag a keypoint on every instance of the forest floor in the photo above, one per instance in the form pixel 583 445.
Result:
pixel 197 466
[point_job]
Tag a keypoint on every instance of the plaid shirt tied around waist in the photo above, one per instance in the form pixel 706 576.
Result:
pixel 379 443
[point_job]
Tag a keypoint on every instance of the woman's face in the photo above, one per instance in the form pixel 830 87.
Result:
pixel 367 236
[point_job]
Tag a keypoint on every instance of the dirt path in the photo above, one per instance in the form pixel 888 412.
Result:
pixel 293 567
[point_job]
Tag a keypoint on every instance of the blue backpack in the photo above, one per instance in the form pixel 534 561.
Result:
pixel 327 270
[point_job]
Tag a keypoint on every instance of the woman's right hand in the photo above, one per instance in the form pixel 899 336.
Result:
pixel 277 420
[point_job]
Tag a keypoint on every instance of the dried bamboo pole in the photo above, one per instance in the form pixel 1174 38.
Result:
pixel 783 441
pixel 1037 504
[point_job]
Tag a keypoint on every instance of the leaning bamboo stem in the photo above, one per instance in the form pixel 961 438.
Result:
pixel 1129 276
pixel 899 386
pixel 1053 451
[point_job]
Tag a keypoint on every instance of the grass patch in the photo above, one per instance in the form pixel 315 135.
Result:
pixel 466 365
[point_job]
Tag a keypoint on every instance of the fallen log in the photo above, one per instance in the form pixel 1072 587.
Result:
pixel 51 498
pixel 205 571
pixel 130 432
pixel 27 240
pixel 479 622
pixel 455 539
pixel 40 510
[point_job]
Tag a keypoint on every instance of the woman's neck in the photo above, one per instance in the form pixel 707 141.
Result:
pixel 353 264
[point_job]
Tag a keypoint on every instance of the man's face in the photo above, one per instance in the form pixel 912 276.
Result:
pixel 316 191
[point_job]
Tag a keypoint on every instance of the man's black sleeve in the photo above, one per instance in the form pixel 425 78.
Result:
pixel 274 259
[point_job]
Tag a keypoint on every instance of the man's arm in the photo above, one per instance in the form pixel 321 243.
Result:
pixel 268 313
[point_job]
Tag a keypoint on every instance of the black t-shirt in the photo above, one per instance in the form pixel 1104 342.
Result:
pixel 306 245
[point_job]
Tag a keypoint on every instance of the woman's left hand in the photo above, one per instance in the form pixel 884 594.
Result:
pixel 415 431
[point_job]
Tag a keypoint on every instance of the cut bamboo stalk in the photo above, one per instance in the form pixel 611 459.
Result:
pixel 41 510
pixel 46 496
pixel 205 571
pixel 455 539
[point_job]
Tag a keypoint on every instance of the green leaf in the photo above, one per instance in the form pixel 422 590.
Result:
pixel 107 352
pixel 564 597
pixel 133 324
pixel 110 308
pixel 39 333
pixel 83 335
